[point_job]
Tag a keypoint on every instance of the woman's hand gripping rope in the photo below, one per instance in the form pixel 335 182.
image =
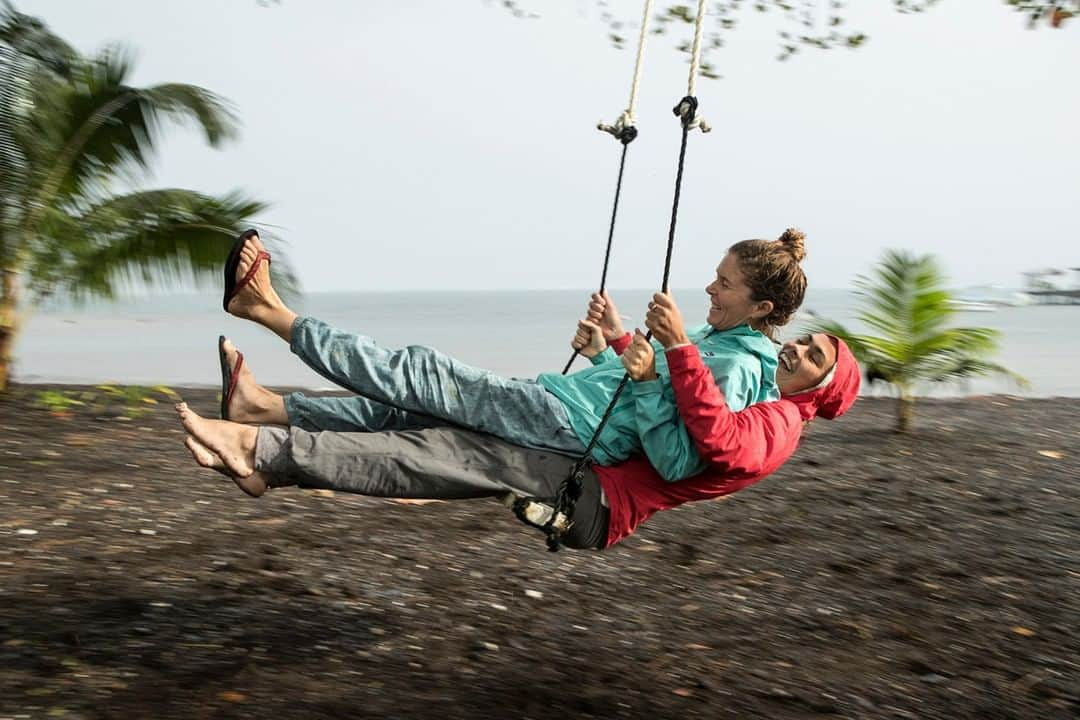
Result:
pixel 639 359
pixel 588 340
pixel 666 322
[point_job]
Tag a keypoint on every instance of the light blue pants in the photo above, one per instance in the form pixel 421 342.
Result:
pixel 419 387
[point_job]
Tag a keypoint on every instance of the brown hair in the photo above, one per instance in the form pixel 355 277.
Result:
pixel 771 270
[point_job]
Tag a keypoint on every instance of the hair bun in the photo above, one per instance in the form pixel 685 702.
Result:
pixel 794 241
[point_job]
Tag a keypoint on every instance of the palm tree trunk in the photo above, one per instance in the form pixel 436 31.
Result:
pixel 905 411
pixel 9 304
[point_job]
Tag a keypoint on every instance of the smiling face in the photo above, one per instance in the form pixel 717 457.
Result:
pixel 731 304
pixel 804 362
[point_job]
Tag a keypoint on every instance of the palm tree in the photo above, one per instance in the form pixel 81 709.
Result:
pixel 70 129
pixel 906 304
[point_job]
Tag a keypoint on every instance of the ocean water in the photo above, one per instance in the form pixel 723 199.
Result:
pixel 172 339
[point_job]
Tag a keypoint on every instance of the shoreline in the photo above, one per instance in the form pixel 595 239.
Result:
pixel 331 390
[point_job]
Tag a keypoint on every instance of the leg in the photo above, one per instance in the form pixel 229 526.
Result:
pixel 417 379
pixel 253 403
pixel 350 414
pixel 426 381
pixel 434 464
pixel 437 463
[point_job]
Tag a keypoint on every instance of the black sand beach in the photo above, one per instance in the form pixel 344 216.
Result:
pixel 875 576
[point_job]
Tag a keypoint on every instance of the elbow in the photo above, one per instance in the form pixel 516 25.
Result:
pixel 734 466
pixel 678 471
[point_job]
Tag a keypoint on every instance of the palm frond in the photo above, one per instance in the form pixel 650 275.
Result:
pixel 152 238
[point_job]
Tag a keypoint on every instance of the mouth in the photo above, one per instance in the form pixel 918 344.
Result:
pixel 786 361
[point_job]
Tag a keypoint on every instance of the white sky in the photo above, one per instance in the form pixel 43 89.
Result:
pixel 409 144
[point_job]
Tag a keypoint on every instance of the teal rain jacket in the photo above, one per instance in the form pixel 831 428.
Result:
pixel 646 418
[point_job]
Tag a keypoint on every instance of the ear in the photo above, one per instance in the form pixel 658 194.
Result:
pixel 762 309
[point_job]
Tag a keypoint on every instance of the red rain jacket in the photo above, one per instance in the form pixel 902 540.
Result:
pixel 740 447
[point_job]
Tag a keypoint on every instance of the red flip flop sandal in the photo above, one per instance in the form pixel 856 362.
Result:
pixel 229 376
pixel 232 263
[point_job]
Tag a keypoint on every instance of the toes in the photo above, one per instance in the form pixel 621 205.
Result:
pixel 188 417
pixel 247 256
pixel 202 455
pixel 231 353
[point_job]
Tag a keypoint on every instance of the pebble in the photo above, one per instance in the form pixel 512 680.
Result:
pixel 534 594
pixel 26 531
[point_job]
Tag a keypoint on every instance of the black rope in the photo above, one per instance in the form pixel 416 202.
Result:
pixel 570 488
pixel 625 136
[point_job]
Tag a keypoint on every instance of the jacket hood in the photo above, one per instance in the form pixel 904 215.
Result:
pixel 834 399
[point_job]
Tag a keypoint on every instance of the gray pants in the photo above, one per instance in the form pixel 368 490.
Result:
pixel 434 463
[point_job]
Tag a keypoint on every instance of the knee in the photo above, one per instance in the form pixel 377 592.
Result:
pixel 426 360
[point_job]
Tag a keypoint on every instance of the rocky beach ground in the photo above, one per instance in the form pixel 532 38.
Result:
pixel 933 575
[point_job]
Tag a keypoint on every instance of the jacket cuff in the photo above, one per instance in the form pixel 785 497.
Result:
pixel 621 343
pixel 606 355
pixel 648 387
pixel 680 359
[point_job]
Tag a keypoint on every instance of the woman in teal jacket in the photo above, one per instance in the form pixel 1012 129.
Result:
pixel 758 286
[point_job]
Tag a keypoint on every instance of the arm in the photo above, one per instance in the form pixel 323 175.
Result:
pixel 733 440
pixel 676 441
pixel 664 437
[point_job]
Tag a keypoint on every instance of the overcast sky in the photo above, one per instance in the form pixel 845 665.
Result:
pixel 409 144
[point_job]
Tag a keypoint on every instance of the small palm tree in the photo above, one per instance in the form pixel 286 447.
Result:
pixel 71 129
pixel 905 302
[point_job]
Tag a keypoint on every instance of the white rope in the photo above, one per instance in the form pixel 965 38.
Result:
pixel 695 64
pixel 695 52
pixel 627 119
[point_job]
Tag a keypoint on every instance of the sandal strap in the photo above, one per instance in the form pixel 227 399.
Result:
pixel 233 377
pixel 244 281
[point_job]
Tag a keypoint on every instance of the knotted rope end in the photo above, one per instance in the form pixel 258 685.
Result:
pixel 687 113
pixel 623 130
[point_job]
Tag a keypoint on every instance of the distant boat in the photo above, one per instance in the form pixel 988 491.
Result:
pixel 972 306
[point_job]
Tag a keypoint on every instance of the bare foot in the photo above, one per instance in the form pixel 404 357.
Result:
pixel 232 442
pixel 251 402
pixel 254 484
pixel 204 456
